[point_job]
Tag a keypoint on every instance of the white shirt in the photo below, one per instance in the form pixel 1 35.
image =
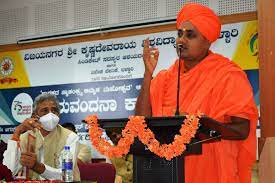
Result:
pixel 12 158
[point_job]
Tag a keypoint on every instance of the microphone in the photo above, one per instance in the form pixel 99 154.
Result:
pixel 177 113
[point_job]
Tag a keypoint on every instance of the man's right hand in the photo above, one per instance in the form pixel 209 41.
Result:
pixel 150 57
pixel 28 124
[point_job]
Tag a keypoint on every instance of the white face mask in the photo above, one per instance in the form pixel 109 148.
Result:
pixel 49 121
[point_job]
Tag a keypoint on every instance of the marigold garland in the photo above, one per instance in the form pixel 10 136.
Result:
pixel 137 127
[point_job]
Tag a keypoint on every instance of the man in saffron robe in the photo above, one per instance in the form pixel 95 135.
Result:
pixel 211 84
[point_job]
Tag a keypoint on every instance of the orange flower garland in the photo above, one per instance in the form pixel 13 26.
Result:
pixel 136 127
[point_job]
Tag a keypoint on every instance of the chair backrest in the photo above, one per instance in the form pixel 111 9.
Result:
pixel 99 172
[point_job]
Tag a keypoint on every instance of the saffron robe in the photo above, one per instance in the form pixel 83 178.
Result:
pixel 218 88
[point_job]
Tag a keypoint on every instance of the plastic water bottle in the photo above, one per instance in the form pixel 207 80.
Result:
pixel 67 165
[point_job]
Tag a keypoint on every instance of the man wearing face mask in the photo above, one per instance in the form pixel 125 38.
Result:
pixel 44 160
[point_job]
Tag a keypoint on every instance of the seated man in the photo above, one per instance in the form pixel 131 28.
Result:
pixel 85 154
pixel 44 159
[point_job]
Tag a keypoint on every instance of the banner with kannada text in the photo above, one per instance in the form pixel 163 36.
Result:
pixel 103 77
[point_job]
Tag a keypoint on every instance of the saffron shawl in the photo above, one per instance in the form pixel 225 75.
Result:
pixel 218 88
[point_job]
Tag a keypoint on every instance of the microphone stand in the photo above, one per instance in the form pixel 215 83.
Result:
pixel 177 113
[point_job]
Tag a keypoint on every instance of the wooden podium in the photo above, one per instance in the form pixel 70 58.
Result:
pixel 147 167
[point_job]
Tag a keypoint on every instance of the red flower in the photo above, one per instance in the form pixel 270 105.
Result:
pixel 5 173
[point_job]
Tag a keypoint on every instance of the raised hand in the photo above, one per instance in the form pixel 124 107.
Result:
pixel 150 57
pixel 28 124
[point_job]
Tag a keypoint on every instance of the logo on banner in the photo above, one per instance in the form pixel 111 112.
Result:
pixel 21 107
pixel 6 69
pixel 253 45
